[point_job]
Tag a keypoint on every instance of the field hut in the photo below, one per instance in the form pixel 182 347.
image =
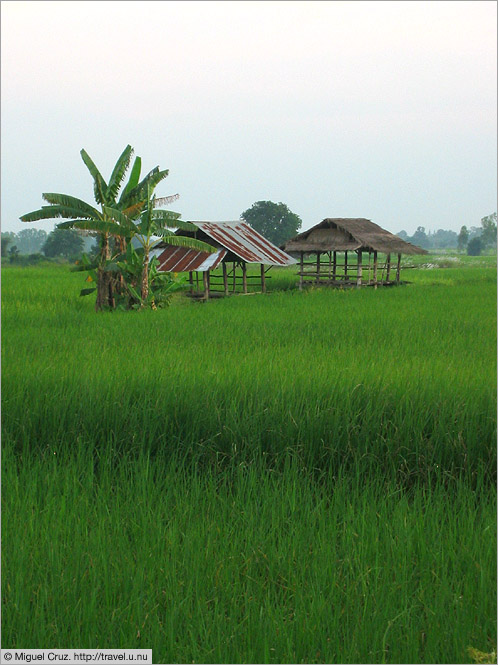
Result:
pixel 349 238
pixel 237 245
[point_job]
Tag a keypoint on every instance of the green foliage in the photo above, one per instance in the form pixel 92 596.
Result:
pixel 63 242
pixel 134 215
pixel 273 220
pixel 420 238
pixel 463 238
pixel 13 254
pixel 474 246
pixel 488 236
pixel 6 241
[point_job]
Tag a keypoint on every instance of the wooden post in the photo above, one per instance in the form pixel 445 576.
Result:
pixel 330 264
pixel 191 280
pixel 375 269
pixel 317 266
pixel 388 269
pixel 334 266
pixel 225 278
pixel 398 269
pixel 233 281
pixel 206 284
pixel 244 276
pixel 301 272
pixel 263 281
pixel 345 266
pixel 358 276
pixel 197 279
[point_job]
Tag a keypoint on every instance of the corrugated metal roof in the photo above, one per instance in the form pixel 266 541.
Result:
pixel 245 242
pixel 182 259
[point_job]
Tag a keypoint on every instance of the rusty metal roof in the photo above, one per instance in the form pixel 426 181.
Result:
pixel 242 240
pixel 182 259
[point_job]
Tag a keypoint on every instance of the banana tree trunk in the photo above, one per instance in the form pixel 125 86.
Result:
pixel 119 279
pixel 145 276
pixel 105 295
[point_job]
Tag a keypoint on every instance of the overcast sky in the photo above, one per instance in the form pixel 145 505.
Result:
pixel 383 110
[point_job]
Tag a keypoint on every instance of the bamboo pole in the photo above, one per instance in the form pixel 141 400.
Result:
pixel 263 282
pixel 358 276
pixel 225 278
pixel 334 266
pixel 398 269
pixel 206 284
pixel 191 280
pixel 330 263
pixel 388 268
pixel 301 272
pixel 375 269
pixel 345 264
pixel 244 276
pixel 234 277
pixel 317 267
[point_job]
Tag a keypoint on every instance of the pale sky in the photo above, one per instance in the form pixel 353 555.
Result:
pixel 383 110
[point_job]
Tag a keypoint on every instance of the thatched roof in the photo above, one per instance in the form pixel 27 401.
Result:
pixel 342 234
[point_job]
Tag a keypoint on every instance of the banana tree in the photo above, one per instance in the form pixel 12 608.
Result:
pixel 153 227
pixel 84 216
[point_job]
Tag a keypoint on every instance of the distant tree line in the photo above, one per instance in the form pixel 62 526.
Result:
pixel 65 243
pixel 472 239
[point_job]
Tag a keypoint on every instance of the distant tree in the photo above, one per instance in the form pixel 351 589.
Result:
pixel 13 254
pixel 420 238
pixel 7 239
pixel 474 247
pixel 63 242
pixel 488 235
pixel 403 235
pixel 463 238
pixel 444 239
pixel 30 241
pixel 273 220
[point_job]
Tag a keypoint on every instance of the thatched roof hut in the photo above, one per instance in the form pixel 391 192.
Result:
pixel 345 234
pixel 356 235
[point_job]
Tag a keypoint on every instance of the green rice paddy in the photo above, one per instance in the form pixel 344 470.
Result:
pixel 290 477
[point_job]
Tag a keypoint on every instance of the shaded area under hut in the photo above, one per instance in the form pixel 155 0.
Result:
pixel 339 247
pixel 237 245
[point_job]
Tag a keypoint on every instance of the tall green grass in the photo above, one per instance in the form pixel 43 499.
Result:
pixel 401 377
pixel 296 477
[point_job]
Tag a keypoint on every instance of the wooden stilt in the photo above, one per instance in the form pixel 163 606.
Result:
pixel 191 281
pixel 358 276
pixel 234 284
pixel 301 272
pixel 206 284
pixel 263 281
pixel 244 276
pixel 398 269
pixel 197 279
pixel 334 266
pixel 388 269
pixel 345 266
pixel 225 278
pixel 317 267
pixel 375 270
pixel 330 264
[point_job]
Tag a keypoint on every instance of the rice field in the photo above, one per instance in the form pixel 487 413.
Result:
pixel 291 477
